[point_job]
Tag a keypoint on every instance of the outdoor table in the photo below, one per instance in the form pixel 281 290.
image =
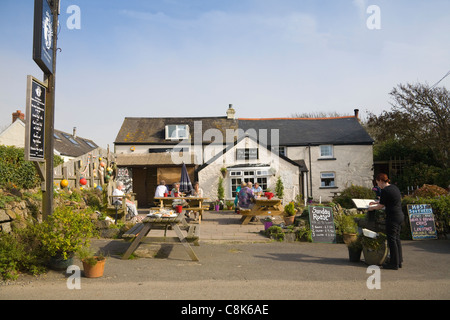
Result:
pixel 262 207
pixel 195 204
pixel 150 223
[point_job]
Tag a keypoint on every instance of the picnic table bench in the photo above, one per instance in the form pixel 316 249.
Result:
pixel 138 234
pixel 261 207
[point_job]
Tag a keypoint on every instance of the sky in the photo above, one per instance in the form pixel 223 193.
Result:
pixel 192 58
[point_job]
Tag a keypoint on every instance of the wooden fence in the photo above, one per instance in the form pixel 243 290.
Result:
pixel 88 166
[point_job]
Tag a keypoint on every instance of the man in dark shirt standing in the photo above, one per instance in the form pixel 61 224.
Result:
pixel 391 200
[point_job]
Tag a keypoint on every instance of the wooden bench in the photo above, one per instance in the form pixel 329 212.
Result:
pixel 193 234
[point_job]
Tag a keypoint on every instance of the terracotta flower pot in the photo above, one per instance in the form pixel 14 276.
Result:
pixel 288 220
pixel 94 271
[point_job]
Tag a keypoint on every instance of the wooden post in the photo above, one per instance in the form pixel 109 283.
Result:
pixel 47 194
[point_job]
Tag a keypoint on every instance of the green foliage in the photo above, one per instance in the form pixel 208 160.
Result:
pixel 345 224
pixel 275 232
pixel 279 188
pixel 66 232
pixel 353 192
pixel 14 168
pixel 290 209
pixel 220 189
pixel 20 251
pixel 374 243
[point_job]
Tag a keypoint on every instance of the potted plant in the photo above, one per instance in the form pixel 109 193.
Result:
pixel 290 212
pixel 374 249
pixel 229 205
pixel 63 233
pixel 348 227
pixel 354 250
pixel 93 264
pixel 268 222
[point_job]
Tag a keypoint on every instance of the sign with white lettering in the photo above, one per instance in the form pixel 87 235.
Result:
pixel 421 219
pixel 35 120
pixel 43 36
pixel 322 224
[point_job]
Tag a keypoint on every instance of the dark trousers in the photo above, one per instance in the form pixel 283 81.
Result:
pixel 393 239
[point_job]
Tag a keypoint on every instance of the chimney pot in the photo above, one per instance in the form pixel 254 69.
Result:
pixel 356 113
pixel 18 115
pixel 230 112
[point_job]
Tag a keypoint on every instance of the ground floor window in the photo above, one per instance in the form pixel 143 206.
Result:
pixel 259 175
pixel 327 179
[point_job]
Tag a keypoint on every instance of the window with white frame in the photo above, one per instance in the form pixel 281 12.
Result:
pixel 253 175
pixel 326 151
pixel 327 179
pixel 177 131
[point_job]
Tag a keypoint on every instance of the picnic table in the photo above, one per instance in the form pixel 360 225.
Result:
pixel 194 204
pixel 140 231
pixel 261 207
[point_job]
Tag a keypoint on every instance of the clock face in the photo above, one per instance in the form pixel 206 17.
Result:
pixel 48 31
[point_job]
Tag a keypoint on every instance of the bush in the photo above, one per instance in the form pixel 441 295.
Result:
pixel 353 192
pixel 20 252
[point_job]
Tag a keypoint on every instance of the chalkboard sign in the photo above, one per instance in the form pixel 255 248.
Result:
pixel 322 224
pixel 421 219
pixel 125 175
pixel 35 120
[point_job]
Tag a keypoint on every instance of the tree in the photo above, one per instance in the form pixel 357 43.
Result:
pixel 420 118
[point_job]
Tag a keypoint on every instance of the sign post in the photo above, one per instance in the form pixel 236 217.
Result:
pixel 45 45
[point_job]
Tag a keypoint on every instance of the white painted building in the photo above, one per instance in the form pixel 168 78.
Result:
pixel 314 157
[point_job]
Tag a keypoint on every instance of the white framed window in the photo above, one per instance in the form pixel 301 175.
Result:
pixel 326 151
pixel 177 131
pixel 327 179
pixel 235 173
pixel 259 175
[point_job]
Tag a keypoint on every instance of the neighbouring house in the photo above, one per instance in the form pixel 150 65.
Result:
pixel 314 158
pixel 68 146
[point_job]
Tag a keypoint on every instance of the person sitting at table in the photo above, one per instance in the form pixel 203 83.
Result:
pixel 196 192
pixel 257 190
pixel 131 207
pixel 161 189
pixel 176 190
pixel 246 196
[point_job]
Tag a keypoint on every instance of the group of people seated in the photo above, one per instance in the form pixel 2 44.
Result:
pixel 246 193
pixel 163 191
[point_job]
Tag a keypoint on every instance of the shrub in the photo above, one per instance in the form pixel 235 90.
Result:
pixel 20 251
pixel 353 192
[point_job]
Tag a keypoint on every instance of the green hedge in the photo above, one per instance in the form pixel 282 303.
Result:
pixel 441 211
pixel 353 192
pixel 15 170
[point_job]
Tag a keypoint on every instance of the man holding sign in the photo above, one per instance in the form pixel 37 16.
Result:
pixel 391 200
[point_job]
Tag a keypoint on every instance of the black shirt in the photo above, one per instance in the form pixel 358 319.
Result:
pixel 391 198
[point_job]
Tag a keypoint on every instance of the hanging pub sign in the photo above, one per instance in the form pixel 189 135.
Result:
pixel 35 120
pixel 43 36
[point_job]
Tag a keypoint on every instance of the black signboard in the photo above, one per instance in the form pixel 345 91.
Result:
pixel 422 223
pixel 43 36
pixel 322 224
pixel 35 120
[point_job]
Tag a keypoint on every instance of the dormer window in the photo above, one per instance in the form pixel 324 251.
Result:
pixel 177 131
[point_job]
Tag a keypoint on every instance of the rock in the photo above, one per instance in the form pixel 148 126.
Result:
pixel 4 216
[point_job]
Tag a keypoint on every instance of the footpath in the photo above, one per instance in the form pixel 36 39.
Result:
pixel 238 263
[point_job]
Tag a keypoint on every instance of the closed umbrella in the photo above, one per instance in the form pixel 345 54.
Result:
pixel 185 181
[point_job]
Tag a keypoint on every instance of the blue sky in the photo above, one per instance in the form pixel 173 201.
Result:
pixel 158 58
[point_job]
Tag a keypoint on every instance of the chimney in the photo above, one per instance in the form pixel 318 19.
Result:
pixel 74 132
pixel 18 115
pixel 230 112
pixel 356 113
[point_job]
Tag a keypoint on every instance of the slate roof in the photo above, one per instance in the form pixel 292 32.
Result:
pixel 292 131
pixel 304 131
pixel 152 130
pixel 68 145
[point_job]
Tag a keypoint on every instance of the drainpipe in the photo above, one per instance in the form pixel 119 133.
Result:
pixel 310 172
